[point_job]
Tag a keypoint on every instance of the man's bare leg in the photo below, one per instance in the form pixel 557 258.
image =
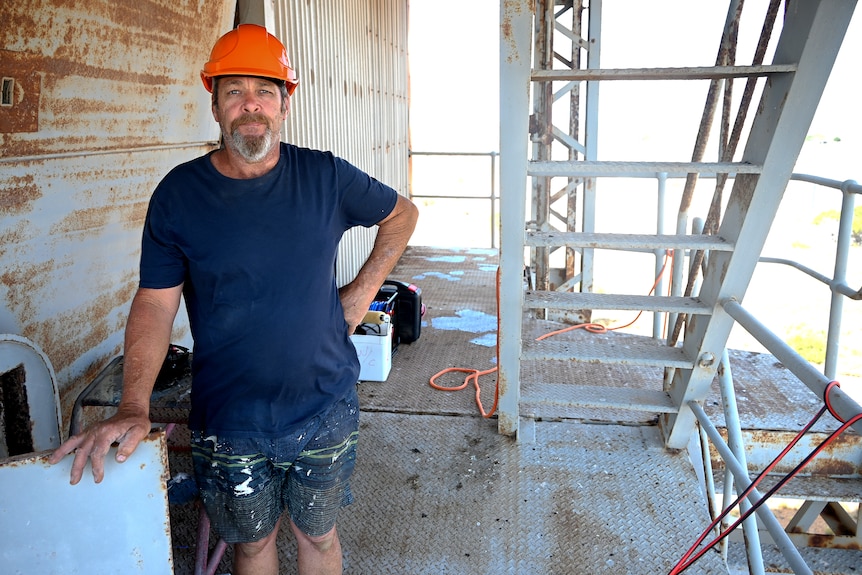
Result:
pixel 258 557
pixel 318 555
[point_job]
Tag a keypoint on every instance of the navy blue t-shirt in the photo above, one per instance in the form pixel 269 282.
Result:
pixel 257 256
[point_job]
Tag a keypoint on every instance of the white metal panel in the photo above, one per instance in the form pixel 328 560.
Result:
pixel 120 526
pixel 40 385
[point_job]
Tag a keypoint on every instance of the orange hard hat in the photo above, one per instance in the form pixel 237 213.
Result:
pixel 249 50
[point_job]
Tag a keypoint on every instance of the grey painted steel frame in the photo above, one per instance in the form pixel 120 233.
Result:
pixel 541 183
pixel 812 35
pixel 515 46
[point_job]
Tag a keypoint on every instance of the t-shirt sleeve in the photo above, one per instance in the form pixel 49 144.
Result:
pixel 366 200
pixel 163 263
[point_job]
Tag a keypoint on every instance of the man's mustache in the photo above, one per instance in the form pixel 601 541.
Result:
pixel 249 119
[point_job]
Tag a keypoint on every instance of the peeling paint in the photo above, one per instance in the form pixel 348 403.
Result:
pixel 18 193
pixel 107 100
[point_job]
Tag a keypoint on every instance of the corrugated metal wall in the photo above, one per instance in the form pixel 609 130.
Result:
pixel 352 99
pixel 106 98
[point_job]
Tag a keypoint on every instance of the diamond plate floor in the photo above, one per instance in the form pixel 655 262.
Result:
pixel 448 494
pixel 438 490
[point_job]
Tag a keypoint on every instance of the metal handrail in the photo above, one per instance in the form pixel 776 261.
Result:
pixel 493 197
pixel 843 406
pixel 733 452
pixel 838 283
pixel 740 474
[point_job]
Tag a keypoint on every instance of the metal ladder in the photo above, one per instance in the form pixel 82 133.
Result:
pixel 811 36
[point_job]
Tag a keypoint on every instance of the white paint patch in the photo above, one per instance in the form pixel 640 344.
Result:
pixel 243 488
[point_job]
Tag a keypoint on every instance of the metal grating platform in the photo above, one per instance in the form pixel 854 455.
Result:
pixel 448 494
pixel 438 490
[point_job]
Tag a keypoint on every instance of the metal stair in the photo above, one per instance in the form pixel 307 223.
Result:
pixel 721 260
pixel 811 35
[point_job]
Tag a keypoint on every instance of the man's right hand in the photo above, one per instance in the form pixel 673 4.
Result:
pixel 127 428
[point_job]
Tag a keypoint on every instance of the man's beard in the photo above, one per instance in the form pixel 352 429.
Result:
pixel 253 149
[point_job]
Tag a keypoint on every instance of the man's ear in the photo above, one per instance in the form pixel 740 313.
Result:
pixel 215 113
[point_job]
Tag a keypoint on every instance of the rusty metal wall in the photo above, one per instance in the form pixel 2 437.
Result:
pixel 101 99
pixel 352 99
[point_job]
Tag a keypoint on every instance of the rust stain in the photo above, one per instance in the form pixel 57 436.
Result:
pixel 831 542
pixel 70 334
pixel 511 9
pixel 20 281
pixel 134 214
pixel 11 236
pixel 23 114
pixel 18 194
pixel 137 48
pixel 83 219
pixel 835 460
pixel 90 76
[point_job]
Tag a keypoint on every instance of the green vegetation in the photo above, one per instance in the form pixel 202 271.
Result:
pixel 809 343
pixel 856 227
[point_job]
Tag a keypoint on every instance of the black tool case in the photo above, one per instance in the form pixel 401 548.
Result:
pixel 408 310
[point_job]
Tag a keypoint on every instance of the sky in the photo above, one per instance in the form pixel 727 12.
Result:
pixel 454 48
pixel 454 58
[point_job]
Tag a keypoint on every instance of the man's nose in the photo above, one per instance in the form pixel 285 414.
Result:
pixel 251 103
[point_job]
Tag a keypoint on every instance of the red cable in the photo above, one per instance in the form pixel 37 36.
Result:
pixel 687 560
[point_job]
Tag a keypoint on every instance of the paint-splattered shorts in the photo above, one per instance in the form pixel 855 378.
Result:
pixel 246 484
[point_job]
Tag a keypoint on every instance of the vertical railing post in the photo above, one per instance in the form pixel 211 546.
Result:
pixel 737 445
pixel 515 65
pixel 591 141
pixel 659 317
pixel 836 310
pixel 493 200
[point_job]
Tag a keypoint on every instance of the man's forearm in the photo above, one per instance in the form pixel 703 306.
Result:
pixel 393 233
pixel 392 236
pixel 147 338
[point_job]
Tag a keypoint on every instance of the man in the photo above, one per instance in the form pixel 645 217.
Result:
pixel 249 235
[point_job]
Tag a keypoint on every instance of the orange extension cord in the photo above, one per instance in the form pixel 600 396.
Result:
pixel 475 374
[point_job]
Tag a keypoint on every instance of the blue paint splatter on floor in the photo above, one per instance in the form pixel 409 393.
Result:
pixel 450 259
pixel 487 268
pixel 437 275
pixel 467 320
pixel 487 340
